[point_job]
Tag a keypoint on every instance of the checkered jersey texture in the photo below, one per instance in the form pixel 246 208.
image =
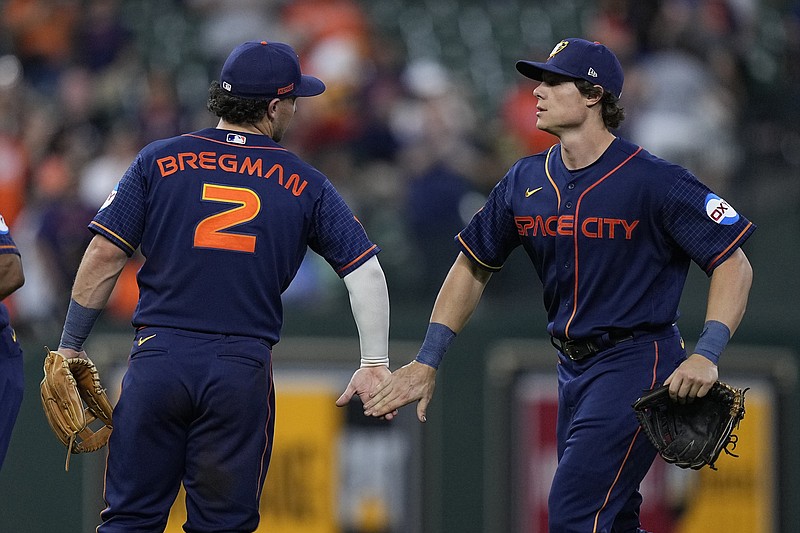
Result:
pixel 491 235
pixel 707 242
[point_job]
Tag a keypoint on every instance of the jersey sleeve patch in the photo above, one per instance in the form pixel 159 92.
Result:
pixel 720 211
pixel 706 227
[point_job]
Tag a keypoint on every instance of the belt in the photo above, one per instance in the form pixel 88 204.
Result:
pixel 578 349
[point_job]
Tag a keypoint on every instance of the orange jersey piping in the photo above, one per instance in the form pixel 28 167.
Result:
pixel 354 261
pixel 468 249
pixel 264 458
pixel 575 236
pixel 713 263
pixel 550 178
pixel 630 447
pixel 123 241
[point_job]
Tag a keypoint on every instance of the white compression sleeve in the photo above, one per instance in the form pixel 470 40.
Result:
pixel 369 301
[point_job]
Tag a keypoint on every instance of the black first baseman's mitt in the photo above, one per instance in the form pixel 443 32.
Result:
pixel 692 435
pixel 68 383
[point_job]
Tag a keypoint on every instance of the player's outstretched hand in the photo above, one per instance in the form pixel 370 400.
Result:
pixel 692 379
pixel 365 381
pixel 412 382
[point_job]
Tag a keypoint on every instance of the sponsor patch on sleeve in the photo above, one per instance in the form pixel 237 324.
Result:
pixel 110 198
pixel 720 211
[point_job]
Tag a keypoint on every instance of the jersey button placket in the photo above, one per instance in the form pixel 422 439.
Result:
pixel 566 256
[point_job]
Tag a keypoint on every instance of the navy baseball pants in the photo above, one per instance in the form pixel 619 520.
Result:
pixel 602 455
pixel 195 408
pixel 11 386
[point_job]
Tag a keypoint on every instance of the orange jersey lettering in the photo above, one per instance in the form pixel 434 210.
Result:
pixel 591 227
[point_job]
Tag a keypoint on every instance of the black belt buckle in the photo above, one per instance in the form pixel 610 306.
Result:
pixel 575 349
pixel 579 349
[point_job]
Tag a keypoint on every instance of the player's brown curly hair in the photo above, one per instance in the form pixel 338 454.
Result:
pixel 613 113
pixel 234 109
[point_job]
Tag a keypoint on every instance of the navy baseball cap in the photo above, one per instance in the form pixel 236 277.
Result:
pixel 261 69
pixel 579 58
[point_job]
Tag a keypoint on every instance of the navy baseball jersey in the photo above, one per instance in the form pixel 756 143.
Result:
pixel 12 377
pixel 611 242
pixel 253 209
pixel 7 246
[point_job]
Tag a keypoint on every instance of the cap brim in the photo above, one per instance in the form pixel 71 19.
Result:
pixel 534 70
pixel 309 86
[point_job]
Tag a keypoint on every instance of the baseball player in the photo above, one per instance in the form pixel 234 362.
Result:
pixel 223 217
pixel 12 381
pixel 611 230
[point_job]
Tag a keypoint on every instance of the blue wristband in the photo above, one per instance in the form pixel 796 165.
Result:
pixel 713 340
pixel 78 325
pixel 437 340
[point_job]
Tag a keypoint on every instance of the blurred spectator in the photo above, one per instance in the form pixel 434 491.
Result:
pixel 434 214
pixel 80 126
pixel 101 174
pixel 683 114
pixel 683 78
pixel 42 33
pixel 332 39
pixel 160 113
pixel 435 125
pixel 518 113
pixel 101 35
pixel 224 24
pixel 62 235
pixel 311 22
pixel 54 241
pixel 380 90
pixel 13 176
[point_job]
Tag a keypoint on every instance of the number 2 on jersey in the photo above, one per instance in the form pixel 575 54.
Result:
pixel 210 232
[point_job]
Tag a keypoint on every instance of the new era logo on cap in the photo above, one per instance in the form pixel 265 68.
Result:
pixel 582 59
pixel 261 69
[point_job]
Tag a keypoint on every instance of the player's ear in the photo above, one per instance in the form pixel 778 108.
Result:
pixel 272 108
pixel 594 95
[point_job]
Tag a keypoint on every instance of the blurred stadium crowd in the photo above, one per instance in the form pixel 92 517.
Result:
pixel 423 114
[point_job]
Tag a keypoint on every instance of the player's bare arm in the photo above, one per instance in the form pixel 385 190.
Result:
pixel 102 264
pixel 729 290
pixel 97 275
pixel 460 293
pixel 727 300
pixel 416 381
pixel 11 276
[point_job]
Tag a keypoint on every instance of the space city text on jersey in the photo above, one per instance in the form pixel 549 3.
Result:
pixel 591 227
pixel 183 161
